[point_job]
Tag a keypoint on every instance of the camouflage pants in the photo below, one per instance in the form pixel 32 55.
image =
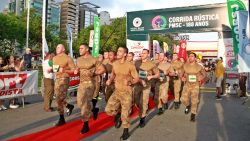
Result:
pixel 61 89
pixel 48 92
pixel 141 95
pixel 120 101
pixel 97 86
pixel 84 98
pixel 177 88
pixel 109 91
pixel 161 96
pixel 191 90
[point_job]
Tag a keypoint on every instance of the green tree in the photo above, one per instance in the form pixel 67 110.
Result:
pixel 35 29
pixel 112 36
pixel 83 37
pixel 115 35
pixel 12 31
pixel 54 37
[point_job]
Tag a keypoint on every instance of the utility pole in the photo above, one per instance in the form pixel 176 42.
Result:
pixel 28 24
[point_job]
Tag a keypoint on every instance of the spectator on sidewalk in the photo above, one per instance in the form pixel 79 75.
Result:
pixel 219 75
pixel 13 65
pixel 48 81
pixel 207 68
pixel 242 83
pixel 2 107
pixel 27 59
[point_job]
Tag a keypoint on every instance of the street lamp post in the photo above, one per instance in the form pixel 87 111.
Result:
pixel 28 24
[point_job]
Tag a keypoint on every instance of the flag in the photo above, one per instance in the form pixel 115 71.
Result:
pixel 91 38
pixel 156 47
pixel 165 47
pixel 244 42
pixel 97 30
pixel 176 48
pixel 45 48
pixel 233 6
pixel 70 39
pixel 182 50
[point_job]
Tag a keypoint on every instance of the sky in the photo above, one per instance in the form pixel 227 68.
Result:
pixel 3 3
pixel 118 8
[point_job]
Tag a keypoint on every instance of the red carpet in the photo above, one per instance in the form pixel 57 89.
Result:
pixel 71 130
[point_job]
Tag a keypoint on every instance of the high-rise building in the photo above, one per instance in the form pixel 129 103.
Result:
pixel 37 5
pixel 17 6
pixel 104 18
pixel 53 9
pixel 86 15
pixel 53 13
pixel 70 15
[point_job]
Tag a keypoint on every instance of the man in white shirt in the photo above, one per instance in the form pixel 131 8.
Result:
pixel 48 81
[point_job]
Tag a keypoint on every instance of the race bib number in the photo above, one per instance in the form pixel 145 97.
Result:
pixel 192 78
pixel 143 74
pixel 162 76
pixel 55 68
pixel 109 75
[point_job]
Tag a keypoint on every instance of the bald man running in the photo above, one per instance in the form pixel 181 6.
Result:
pixel 62 66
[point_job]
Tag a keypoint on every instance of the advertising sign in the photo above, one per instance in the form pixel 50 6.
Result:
pixel 137 46
pixel 234 6
pixel 15 84
pixel 203 18
pixel 97 33
pixel 244 42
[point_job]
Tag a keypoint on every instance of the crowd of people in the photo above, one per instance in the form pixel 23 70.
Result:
pixel 125 81
pixel 15 64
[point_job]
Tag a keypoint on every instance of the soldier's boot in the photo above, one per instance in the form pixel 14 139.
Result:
pixel 95 113
pixel 85 127
pixel 69 109
pixel 187 109
pixel 125 134
pixel 94 101
pixel 166 106
pixel 192 117
pixel 61 121
pixel 118 121
pixel 176 105
pixel 142 122
pixel 160 111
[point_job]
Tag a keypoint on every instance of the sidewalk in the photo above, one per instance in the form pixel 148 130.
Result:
pixel 225 120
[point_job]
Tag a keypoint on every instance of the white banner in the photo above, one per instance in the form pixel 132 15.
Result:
pixel 165 47
pixel 156 46
pixel 91 38
pixel 70 39
pixel 225 50
pixel 137 46
pixel 15 84
pixel 244 42
pixel 45 48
